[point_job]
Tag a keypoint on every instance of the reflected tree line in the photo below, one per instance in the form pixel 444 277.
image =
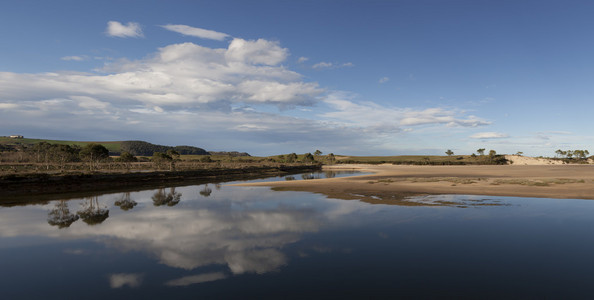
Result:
pixel 93 213
pixel 317 175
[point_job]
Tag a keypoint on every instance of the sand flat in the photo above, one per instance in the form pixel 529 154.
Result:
pixel 544 181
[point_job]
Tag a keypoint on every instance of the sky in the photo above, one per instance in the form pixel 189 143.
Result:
pixel 273 77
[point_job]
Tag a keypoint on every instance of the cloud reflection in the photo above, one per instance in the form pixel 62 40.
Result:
pixel 120 280
pixel 194 279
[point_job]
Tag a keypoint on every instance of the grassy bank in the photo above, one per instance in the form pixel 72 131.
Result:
pixel 18 188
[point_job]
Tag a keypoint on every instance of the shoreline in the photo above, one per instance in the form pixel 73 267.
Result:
pixel 391 183
pixel 17 189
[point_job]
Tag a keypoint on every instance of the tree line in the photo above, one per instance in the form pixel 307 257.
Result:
pixel 141 148
pixel 573 154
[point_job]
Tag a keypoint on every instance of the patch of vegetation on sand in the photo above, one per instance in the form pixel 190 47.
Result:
pixel 539 182
pixel 454 180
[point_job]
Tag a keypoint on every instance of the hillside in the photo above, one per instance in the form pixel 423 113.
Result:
pixel 115 147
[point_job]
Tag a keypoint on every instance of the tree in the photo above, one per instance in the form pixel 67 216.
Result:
pixel 331 158
pixel 481 151
pixel 449 152
pixel 519 153
pixel 492 153
pixel 174 154
pixel 127 157
pixel 308 157
pixel 94 153
pixel 160 158
pixel 291 158
pixel 318 153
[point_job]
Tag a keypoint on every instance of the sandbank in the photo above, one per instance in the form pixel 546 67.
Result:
pixel 395 182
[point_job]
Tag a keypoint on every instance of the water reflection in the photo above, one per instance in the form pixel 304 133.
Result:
pixel 125 202
pixel 92 213
pixel 61 216
pixel 231 230
pixel 160 197
pixel 206 191
pixel 224 237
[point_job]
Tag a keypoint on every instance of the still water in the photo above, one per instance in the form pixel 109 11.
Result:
pixel 218 241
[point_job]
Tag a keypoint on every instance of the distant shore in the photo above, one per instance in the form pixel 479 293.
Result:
pixel 395 182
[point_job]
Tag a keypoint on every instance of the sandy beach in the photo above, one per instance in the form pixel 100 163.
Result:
pixel 390 183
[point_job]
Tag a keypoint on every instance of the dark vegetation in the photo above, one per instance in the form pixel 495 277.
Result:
pixel 573 156
pixel 138 148
pixel 147 149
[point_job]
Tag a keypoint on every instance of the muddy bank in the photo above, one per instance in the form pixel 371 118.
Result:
pixel 15 189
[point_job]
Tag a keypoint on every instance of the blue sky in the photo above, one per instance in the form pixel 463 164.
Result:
pixel 270 77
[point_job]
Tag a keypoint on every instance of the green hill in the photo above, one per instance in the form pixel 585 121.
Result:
pixel 114 147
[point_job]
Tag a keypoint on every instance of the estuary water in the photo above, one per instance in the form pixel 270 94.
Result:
pixel 215 241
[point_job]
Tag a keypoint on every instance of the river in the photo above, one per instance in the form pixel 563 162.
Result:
pixel 215 241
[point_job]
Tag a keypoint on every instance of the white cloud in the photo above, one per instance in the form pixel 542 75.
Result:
pixel 164 96
pixel 329 65
pixel 179 75
pixel 75 58
pixel 120 280
pixel 302 59
pixel 384 80
pixel 194 279
pixel 256 52
pixel 117 29
pixel 196 32
pixel 323 65
pixel 392 119
pixel 489 135
pixel 8 106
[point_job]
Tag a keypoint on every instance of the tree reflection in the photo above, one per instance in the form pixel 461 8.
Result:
pixel 61 216
pixel 125 203
pixel 307 176
pixel 92 213
pixel 330 174
pixel 206 191
pixel 162 198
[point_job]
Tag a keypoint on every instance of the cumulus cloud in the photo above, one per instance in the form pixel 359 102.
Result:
pixel 384 80
pixel 241 92
pixel 489 135
pixel 179 75
pixel 196 32
pixel 117 29
pixel 302 59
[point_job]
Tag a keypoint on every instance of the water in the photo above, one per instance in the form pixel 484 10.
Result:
pixel 217 241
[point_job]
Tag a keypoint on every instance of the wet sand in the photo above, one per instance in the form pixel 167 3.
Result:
pixel 396 181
